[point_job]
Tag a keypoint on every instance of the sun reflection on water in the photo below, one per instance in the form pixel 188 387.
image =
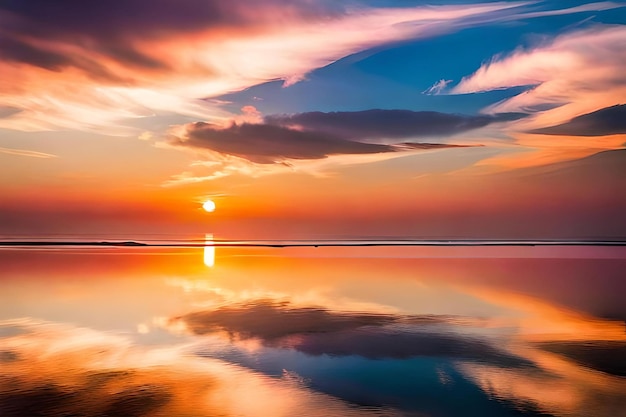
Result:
pixel 209 250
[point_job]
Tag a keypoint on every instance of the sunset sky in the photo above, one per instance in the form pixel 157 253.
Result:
pixel 313 118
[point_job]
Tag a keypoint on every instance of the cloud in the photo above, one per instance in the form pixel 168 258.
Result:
pixel 379 124
pixel 74 65
pixel 313 142
pixel 437 88
pixel 23 152
pixel 221 166
pixel 215 165
pixel 145 136
pixel 591 7
pixel 573 74
pixel 116 29
pixel 266 144
pixel 88 66
pixel 607 121
pixel 317 331
pixel 317 135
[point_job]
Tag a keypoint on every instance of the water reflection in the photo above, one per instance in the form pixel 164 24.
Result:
pixel 563 389
pixel 318 331
pixel 209 250
pixel 270 332
pixel 56 370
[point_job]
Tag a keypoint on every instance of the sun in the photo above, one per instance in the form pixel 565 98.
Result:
pixel 209 206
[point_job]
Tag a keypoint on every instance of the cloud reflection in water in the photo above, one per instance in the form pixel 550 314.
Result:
pixel 53 370
pixel 320 331
pixel 353 347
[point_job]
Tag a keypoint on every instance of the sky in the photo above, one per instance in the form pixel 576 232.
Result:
pixel 313 118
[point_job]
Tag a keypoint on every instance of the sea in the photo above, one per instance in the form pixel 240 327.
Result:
pixel 204 326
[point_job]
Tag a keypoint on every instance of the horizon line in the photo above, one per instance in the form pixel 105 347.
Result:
pixel 317 243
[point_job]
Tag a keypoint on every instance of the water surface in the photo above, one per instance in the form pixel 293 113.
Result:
pixel 416 331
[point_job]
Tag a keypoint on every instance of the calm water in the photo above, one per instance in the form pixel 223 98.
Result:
pixel 507 331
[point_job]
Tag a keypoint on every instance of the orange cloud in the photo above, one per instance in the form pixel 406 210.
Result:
pixel 94 67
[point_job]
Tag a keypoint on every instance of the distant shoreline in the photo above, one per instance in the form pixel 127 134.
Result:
pixel 314 243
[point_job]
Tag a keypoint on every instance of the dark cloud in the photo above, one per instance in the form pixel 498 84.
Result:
pixel 268 144
pixel 390 124
pixel 317 135
pixel 146 18
pixel 319 331
pixel 113 28
pixel 19 51
pixel 16 50
pixel 607 121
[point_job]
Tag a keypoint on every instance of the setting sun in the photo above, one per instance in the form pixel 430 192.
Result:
pixel 209 206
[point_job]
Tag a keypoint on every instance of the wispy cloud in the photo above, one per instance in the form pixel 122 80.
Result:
pixel 88 66
pixel 215 165
pixel 23 152
pixel 573 74
pixel 437 88
pixel 591 7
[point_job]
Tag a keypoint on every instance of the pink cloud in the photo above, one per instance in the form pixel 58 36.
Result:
pixel 573 74
pixel 437 88
pixel 63 74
